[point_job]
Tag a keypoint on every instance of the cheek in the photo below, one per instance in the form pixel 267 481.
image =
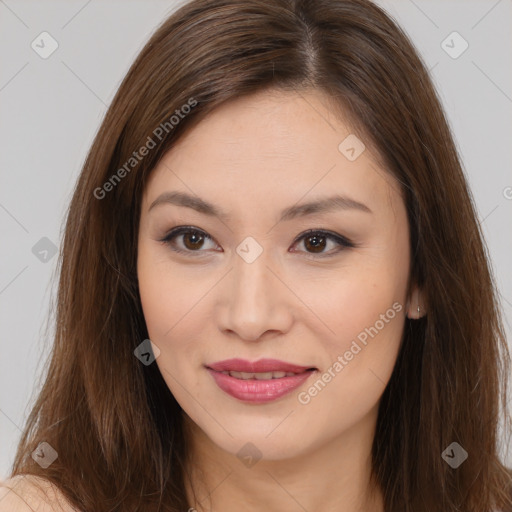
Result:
pixel 164 295
pixel 164 291
pixel 363 314
pixel 367 317
pixel 172 301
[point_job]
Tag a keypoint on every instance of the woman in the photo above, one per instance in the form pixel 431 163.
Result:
pixel 274 293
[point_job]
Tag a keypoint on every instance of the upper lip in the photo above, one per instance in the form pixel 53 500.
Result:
pixel 261 366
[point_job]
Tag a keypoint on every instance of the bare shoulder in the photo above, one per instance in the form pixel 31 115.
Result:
pixel 28 493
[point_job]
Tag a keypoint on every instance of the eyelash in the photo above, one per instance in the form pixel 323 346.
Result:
pixel 344 243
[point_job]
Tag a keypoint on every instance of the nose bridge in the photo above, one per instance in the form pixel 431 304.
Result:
pixel 251 285
pixel 254 300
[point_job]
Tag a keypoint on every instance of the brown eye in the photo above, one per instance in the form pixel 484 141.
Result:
pixel 315 243
pixel 192 240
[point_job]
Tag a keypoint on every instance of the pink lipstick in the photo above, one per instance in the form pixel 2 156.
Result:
pixel 260 381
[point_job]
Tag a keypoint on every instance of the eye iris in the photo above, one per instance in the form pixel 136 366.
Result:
pixel 196 244
pixel 317 246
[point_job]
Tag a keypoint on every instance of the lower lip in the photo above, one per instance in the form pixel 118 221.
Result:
pixel 258 391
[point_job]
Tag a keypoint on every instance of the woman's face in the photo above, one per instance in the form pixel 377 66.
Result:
pixel 248 284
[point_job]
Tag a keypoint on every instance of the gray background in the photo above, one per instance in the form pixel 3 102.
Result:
pixel 51 109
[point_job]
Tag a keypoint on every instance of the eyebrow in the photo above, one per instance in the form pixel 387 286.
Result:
pixel 321 205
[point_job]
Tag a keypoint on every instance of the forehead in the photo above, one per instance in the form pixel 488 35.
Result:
pixel 272 147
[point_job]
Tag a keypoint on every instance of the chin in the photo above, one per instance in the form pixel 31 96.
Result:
pixel 265 439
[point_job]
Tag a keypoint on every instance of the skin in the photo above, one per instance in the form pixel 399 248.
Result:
pixel 252 158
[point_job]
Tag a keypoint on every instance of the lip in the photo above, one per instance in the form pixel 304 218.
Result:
pixel 260 366
pixel 258 391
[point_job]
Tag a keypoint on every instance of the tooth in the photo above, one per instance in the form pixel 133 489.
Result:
pixel 241 375
pixel 258 376
pixel 263 376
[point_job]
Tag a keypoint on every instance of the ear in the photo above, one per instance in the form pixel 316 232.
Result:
pixel 416 305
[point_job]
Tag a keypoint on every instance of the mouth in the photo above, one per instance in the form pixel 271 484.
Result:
pixel 258 382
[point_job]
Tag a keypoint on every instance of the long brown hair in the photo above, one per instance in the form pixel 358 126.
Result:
pixel 113 421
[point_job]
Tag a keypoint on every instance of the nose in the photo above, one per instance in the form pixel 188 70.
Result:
pixel 255 300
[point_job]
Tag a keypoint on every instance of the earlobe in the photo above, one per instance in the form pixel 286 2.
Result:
pixel 416 306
